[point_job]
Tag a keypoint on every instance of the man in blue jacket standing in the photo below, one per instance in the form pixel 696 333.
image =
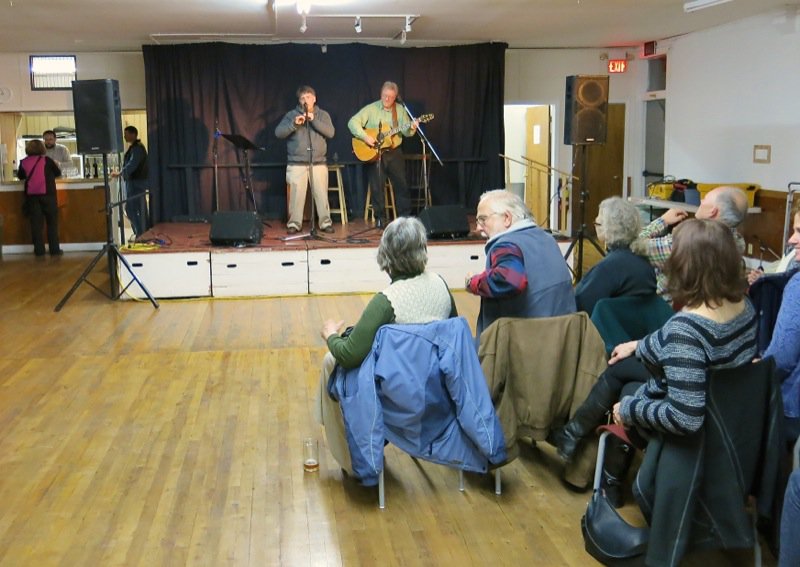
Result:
pixel 525 275
pixel 306 129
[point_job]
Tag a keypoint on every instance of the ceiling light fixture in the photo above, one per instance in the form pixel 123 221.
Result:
pixel 408 24
pixel 357 25
pixel 694 5
pixel 303 26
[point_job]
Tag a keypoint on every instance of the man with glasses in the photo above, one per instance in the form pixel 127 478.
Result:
pixel 525 275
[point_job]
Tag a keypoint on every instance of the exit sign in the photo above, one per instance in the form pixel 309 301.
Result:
pixel 617 65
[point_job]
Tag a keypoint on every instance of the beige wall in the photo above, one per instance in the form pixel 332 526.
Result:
pixel 127 68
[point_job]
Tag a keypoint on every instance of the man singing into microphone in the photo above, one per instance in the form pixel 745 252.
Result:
pixel 306 129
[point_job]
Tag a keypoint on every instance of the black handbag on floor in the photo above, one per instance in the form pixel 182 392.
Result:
pixel 606 535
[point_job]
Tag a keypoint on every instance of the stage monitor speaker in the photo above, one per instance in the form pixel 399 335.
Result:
pixel 445 221
pixel 235 228
pixel 586 110
pixel 98 116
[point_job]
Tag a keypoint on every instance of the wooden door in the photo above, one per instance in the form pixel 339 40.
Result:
pixel 537 149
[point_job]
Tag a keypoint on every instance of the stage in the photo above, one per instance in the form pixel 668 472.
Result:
pixel 178 260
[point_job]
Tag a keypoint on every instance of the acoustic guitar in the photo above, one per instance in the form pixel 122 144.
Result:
pixel 383 140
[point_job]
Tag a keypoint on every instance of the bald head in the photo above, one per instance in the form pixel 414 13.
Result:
pixel 724 203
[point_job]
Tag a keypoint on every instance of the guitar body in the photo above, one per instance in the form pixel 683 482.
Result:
pixel 384 141
pixel 368 153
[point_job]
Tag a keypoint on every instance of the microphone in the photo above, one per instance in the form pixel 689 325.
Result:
pixel 399 99
pixel 305 109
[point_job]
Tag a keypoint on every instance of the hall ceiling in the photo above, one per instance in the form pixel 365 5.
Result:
pixel 66 26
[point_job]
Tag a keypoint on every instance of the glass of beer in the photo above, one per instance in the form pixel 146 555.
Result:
pixel 310 454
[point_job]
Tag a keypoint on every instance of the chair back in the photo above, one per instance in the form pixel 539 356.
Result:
pixel 708 476
pixel 629 318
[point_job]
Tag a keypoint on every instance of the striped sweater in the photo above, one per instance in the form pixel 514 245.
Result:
pixel 684 350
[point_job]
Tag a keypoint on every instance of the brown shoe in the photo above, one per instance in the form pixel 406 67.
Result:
pixel 328 229
pixel 292 230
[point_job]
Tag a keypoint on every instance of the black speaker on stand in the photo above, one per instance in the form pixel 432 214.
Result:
pixel 445 221
pixel 585 124
pixel 98 116
pixel 98 127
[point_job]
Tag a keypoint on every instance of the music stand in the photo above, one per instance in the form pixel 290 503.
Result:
pixel 242 143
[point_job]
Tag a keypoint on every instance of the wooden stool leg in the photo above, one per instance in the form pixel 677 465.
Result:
pixel 389 199
pixel 342 202
pixel 368 205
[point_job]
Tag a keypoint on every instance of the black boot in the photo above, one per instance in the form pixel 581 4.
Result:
pixel 588 416
pixel 615 470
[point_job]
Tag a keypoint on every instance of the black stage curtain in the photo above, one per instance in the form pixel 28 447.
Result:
pixel 246 89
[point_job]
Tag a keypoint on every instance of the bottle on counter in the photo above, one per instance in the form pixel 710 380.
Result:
pixel 87 168
pixel 94 170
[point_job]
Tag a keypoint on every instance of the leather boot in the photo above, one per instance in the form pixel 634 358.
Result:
pixel 615 470
pixel 588 416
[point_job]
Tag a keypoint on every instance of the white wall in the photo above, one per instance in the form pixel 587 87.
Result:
pixel 127 68
pixel 728 89
pixel 538 76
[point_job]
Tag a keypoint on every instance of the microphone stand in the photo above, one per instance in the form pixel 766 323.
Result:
pixel 425 142
pixel 215 158
pixel 312 234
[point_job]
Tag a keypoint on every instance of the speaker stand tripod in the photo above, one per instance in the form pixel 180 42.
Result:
pixel 580 235
pixel 110 250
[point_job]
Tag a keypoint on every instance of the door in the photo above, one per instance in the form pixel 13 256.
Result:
pixel 537 152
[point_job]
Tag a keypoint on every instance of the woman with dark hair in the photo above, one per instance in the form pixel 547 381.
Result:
pixel 715 329
pixel 39 173
pixel 413 296
pixel 622 272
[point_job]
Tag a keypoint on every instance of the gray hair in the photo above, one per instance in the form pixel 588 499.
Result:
pixel 403 250
pixel 502 201
pixel 620 223
pixel 732 205
pixel 391 86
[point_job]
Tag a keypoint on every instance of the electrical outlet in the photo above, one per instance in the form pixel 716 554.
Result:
pixel 749 248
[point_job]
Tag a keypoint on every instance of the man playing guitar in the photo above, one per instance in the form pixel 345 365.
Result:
pixel 365 125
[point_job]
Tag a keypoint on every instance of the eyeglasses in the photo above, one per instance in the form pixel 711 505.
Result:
pixel 481 219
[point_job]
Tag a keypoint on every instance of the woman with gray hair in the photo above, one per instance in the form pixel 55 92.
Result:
pixel 414 296
pixel 622 271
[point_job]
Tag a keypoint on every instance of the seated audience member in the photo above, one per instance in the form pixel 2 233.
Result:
pixel 790 520
pixel 725 204
pixel 413 296
pixel 784 346
pixel 715 329
pixel 525 275
pixel 622 271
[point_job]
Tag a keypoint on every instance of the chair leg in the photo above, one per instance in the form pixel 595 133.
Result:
pixel 381 499
pixel 756 546
pixel 498 483
pixel 461 480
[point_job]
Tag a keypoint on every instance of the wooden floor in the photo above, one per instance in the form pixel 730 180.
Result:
pixel 134 436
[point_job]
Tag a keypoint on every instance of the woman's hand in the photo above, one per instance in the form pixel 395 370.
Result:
pixel 621 351
pixel 330 327
pixel 616 415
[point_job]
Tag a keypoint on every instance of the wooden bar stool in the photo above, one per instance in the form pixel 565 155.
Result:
pixel 388 202
pixel 338 188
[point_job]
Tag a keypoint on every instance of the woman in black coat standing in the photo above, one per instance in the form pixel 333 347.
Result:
pixel 39 173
